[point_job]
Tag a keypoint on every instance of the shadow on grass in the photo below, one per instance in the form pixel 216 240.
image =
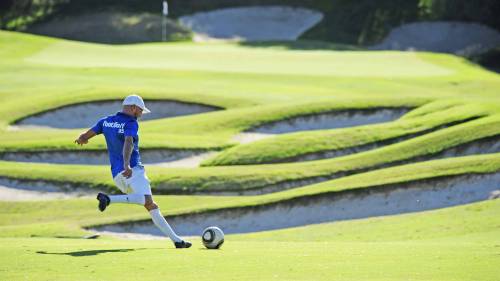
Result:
pixel 90 252
pixel 489 60
pixel 302 45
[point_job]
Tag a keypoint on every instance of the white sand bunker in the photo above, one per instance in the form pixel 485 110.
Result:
pixel 448 37
pixel 480 146
pixel 247 137
pixel 162 157
pixel 111 27
pixel 14 190
pixel 84 115
pixel 192 161
pixel 323 121
pixel 259 23
pixel 355 204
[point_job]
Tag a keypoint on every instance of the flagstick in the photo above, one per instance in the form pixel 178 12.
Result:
pixel 164 29
pixel 164 21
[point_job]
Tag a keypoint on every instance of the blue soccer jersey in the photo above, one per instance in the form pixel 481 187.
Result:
pixel 115 128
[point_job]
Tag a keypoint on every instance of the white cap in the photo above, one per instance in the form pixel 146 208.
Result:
pixel 136 100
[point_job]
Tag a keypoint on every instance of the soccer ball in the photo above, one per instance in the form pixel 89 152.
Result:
pixel 212 237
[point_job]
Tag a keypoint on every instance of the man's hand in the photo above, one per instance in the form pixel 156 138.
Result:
pixel 127 171
pixel 81 140
pixel 84 138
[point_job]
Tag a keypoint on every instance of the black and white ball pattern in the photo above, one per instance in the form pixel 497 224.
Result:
pixel 212 237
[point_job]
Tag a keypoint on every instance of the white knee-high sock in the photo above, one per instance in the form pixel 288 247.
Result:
pixel 128 199
pixel 163 225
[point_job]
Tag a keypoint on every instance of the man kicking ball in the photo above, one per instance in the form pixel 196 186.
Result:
pixel 122 138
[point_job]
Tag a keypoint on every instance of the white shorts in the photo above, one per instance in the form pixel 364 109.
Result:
pixel 137 184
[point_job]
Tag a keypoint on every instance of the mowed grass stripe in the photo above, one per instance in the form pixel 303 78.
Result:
pixel 240 178
pixel 42 219
pixel 288 147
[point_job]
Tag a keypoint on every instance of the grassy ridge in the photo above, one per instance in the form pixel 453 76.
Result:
pixel 184 132
pixel 42 219
pixel 166 180
pixel 284 148
pixel 436 224
pixel 257 176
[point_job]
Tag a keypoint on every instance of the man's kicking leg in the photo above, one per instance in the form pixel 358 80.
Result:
pixel 105 200
pixel 150 205
pixel 162 224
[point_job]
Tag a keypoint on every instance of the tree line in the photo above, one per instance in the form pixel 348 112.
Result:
pixel 347 21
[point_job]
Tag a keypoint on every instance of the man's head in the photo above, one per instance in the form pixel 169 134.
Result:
pixel 132 110
pixel 134 105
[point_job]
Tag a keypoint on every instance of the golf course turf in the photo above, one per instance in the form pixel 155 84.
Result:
pixel 451 102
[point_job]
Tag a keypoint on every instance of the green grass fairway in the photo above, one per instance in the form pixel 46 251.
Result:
pixel 452 102
pixel 424 246
pixel 207 57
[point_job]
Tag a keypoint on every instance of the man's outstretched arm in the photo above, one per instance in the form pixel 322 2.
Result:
pixel 84 138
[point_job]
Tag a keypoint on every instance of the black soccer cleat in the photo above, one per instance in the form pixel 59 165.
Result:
pixel 103 201
pixel 182 244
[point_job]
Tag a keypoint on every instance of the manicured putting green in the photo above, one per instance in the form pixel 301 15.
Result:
pixel 228 58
